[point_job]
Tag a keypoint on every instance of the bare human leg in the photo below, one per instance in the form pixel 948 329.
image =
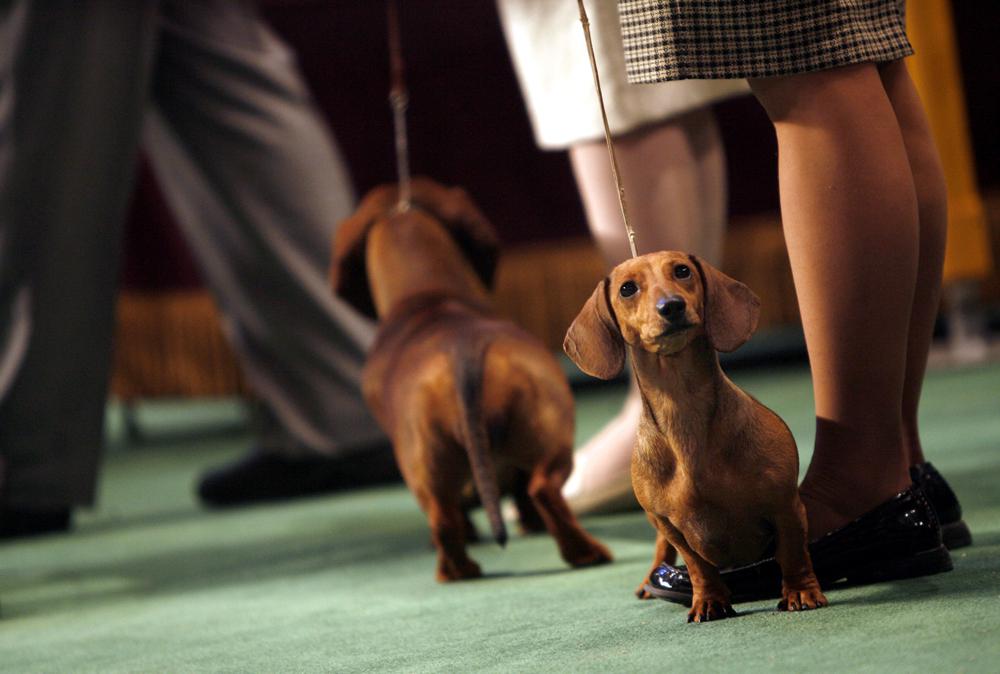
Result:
pixel 674 175
pixel 850 215
pixel 932 207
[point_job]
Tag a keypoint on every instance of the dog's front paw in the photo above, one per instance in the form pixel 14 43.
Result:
pixel 708 607
pixel 449 570
pixel 801 599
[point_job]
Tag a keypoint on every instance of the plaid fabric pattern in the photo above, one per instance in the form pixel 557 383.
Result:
pixel 730 39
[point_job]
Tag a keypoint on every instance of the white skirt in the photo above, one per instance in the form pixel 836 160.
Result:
pixel 546 43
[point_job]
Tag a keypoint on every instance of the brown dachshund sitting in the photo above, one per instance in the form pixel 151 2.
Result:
pixel 715 471
pixel 458 390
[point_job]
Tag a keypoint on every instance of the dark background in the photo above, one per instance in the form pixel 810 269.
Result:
pixel 467 120
pixel 468 126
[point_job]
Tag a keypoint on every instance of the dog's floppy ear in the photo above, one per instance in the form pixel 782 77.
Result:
pixel 348 275
pixel 731 308
pixel 594 341
pixel 465 222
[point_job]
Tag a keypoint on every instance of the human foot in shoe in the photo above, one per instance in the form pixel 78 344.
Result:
pixel 601 480
pixel 27 522
pixel 898 539
pixel 954 531
pixel 262 475
pixel 835 492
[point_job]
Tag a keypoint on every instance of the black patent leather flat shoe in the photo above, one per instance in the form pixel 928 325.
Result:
pixel 261 476
pixel 954 531
pixel 24 523
pixel 899 539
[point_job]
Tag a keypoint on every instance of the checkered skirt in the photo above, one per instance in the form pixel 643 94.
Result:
pixel 730 39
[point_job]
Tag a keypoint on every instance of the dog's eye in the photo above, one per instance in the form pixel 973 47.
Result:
pixel 682 271
pixel 628 289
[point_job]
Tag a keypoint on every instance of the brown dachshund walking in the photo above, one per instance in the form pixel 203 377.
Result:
pixel 460 392
pixel 715 471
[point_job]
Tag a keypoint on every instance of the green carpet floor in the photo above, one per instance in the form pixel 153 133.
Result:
pixel 151 583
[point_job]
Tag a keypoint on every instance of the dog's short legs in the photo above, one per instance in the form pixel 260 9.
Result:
pixel 800 589
pixel 471 533
pixel 441 501
pixel 530 519
pixel 448 528
pixel 576 546
pixel 711 597
pixel 664 552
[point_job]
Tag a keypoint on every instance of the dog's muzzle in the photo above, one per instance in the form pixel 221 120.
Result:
pixel 671 308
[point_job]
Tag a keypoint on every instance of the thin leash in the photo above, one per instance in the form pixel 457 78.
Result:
pixel 607 131
pixel 398 100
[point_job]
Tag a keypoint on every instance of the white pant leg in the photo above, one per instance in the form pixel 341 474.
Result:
pixel 547 47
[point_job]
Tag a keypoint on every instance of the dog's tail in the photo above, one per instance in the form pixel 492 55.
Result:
pixel 469 363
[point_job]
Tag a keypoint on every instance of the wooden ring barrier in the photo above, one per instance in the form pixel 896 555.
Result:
pixel 170 344
pixel 935 72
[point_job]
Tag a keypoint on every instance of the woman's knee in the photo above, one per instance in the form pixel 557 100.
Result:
pixel 822 94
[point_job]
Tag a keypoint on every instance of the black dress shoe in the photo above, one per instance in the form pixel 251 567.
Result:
pixel 268 476
pixel 899 539
pixel 954 531
pixel 24 522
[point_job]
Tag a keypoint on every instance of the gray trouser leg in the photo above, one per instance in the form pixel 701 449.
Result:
pixel 252 176
pixel 73 86
pixel 258 185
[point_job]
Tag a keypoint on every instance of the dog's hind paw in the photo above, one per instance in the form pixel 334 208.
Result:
pixel 592 555
pixel 450 570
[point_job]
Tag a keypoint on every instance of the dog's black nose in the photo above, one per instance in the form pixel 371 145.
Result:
pixel 671 308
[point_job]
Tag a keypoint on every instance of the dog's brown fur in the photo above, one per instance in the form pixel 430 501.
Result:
pixel 458 391
pixel 715 470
